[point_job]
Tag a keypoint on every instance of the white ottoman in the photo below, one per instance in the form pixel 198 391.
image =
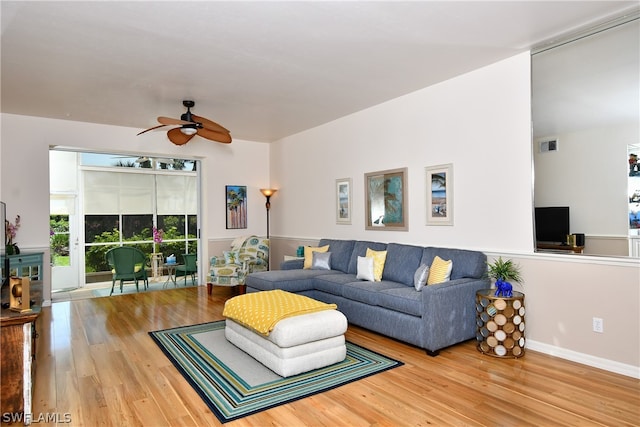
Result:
pixel 296 344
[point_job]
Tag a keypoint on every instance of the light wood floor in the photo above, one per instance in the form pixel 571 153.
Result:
pixel 97 363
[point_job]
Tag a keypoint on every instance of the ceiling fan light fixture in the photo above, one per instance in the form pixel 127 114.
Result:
pixel 190 125
pixel 188 130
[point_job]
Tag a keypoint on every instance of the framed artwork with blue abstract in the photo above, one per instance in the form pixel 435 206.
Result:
pixel 439 184
pixel 386 200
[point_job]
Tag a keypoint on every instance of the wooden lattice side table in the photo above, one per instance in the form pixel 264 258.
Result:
pixel 500 322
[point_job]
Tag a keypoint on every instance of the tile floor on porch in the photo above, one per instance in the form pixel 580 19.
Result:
pixel 102 289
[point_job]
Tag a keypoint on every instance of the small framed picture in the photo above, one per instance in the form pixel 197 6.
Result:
pixel 386 206
pixel 343 201
pixel 439 185
pixel 236 198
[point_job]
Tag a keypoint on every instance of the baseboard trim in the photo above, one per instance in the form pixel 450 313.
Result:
pixel 585 359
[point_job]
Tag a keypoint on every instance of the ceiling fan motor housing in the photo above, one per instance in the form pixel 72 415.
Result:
pixel 187 116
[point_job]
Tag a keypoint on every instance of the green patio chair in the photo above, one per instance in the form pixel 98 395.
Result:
pixel 189 268
pixel 127 264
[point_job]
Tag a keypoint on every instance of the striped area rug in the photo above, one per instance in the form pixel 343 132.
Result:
pixel 235 385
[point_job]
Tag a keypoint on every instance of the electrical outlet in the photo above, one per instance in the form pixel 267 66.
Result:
pixel 598 325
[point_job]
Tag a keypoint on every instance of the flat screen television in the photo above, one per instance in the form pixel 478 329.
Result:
pixel 552 224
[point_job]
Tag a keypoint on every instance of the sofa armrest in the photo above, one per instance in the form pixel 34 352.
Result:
pixel 449 312
pixel 293 264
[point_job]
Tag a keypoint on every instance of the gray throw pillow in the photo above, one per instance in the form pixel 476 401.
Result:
pixel 321 261
pixel 420 277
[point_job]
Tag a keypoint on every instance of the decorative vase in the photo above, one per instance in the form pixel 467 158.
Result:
pixel 12 249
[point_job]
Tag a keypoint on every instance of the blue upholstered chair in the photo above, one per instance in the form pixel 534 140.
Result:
pixel 247 254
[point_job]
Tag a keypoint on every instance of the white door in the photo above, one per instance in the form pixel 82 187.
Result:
pixel 65 271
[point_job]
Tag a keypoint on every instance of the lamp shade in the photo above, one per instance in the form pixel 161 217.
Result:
pixel 188 130
pixel 268 192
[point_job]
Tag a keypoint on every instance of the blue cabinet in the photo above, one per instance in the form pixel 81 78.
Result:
pixel 24 264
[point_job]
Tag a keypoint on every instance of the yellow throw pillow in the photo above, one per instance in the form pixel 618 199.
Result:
pixel 379 257
pixel 308 254
pixel 440 271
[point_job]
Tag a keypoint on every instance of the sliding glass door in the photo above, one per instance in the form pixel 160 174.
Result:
pixel 121 204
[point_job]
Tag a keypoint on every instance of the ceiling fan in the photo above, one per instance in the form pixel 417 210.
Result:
pixel 191 125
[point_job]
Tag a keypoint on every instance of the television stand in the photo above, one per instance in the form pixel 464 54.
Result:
pixel 553 247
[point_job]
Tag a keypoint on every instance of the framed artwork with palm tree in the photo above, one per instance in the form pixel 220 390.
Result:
pixel 439 184
pixel 386 200
pixel 236 196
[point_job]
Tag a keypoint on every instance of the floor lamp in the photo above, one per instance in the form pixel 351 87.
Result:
pixel 268 192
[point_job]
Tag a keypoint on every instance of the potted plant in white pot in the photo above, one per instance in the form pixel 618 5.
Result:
pixel 504 272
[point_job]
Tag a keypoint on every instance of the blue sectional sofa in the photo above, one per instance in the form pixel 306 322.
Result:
pixel 437 316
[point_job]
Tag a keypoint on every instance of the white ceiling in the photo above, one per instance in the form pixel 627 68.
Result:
pixel 265 69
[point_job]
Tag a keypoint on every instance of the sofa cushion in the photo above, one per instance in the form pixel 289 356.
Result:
pixel 332 283
pixel 402 261
pixel 287 280
pixel 367 292
pixel 365 269
pixel 379 258
pixel 308 254
pixel 466 264
pixel 360 249
pixel 403 299
pixel 341 253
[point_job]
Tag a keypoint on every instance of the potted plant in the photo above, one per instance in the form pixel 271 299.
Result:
pixel 502 272
pixel 10 233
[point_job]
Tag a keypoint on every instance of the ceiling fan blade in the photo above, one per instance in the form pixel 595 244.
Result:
pixel 147 130
pixel 224 138
pixel 170 121
pixel 209 124
pixel 177 137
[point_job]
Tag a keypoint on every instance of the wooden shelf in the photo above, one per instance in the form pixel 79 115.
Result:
pixel 558 247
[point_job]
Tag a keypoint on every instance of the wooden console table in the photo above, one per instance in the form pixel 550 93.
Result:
pixel 557 247
pixel 18 336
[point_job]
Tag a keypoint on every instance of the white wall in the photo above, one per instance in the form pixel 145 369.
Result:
pixel 481 123
pixel 588 173
pixel 25 172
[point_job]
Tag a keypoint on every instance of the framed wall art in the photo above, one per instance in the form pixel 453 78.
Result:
pixel 386 200
pixel 439 185
pixel 343 201
pixel 236 197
